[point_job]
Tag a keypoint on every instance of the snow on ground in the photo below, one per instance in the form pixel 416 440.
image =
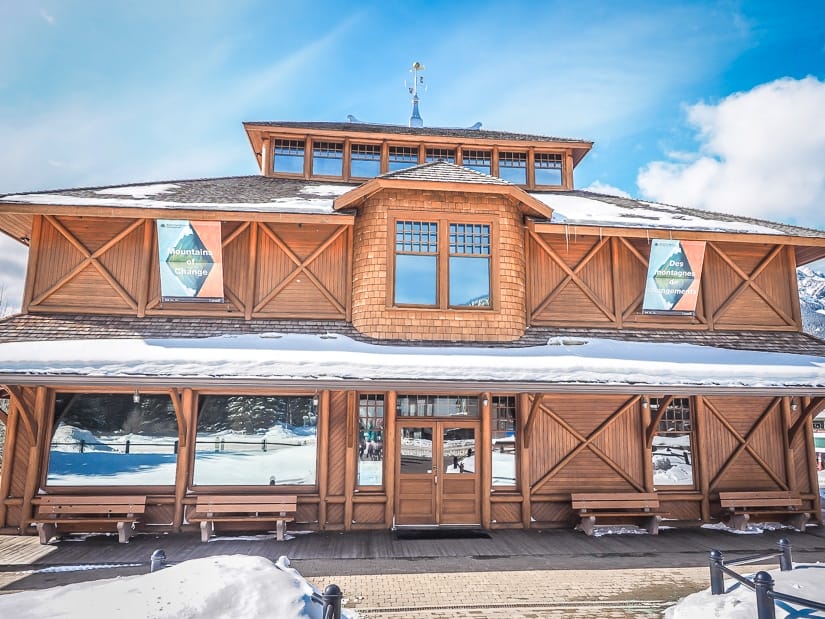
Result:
pixel 804 581
pixel 228 586
pixel 336 357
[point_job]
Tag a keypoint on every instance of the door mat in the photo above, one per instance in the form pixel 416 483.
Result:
pixel 424 534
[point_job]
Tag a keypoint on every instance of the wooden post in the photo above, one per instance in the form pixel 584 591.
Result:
pixel 34 472
pixel 10 458
pixel 251 271
pixel 699 459
pixel 350 456
pixel 34 254
pixel 186 451
pixel 810 457
pixel 390 455
pixel 790 471
pixel 323 457
pixel 647 448
pixel 266 156
pixel 145 266
pixel 484 448
pixel 524 459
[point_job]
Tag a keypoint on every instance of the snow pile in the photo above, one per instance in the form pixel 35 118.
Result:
pixel 221 586
pixel 70 438
pixel 803 581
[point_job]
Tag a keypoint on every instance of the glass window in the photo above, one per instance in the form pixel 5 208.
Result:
pixel 327 159
pixel 548 169
pixel 478 160
pixel 416 450
pixel 503 432
pixel 512 167
pixel 458 447
pixel 440 154
pixel 401 157
pixel 416 262
pixel 288 156
pixel 469 265
pixel 673 444
pixel 365 160
pixel 371 440
pixel 256 441
pixel 436 406
pixel 118 439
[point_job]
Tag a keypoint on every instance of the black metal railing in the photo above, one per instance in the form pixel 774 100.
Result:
pixel 127 445
pixel 762 583
pixel 330 599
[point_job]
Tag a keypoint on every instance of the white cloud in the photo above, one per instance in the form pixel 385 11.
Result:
pixel 48 17
pixel 761 154
pixel 604 188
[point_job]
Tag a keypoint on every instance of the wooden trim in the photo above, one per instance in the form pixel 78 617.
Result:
pixel 251 272
pixel 531 419
pixel 796 309
pixel 36 464
pixel 650 431
pixel 184 405
pixel 323 457
pixel 806 414
pixel 351 457
pixel 484 448
pixel 146 267
pixel 9 470
pixel 348 287
pixel 33 262
pixel 391 456
pixel 524 485
pixel 785 415
pixel 699 464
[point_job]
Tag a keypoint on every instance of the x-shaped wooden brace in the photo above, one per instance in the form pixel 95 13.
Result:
pixel 805 415
pixel 572 275
pixel 585 442
pixel 749 281
pixel 744 444
pixel 23 412
pixel 302 267
pixel 90 258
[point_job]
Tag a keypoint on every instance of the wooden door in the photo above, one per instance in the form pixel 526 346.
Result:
pixel 438 482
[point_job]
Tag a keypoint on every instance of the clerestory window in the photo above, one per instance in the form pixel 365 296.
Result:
pixel 548 169
pixel 365 160
pixel 327 159
pixel 288 156
pixel 512 167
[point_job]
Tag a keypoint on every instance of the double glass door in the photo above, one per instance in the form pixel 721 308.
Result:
pixel 438 476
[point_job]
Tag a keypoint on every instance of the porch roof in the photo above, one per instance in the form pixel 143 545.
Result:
pixel 112 350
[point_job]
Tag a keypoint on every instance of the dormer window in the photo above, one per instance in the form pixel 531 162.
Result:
pixel 365 161
pixel 512 167
pixel 478 160
pixel 327 159
pixel 288 156
pixel 548 169
pixel 401 157
pixel 440 154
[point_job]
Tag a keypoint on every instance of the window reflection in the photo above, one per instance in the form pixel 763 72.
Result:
pixel 255 440
pixel 672 445
pixel 416 450
pixel 113 439
pixel 503 431
pixel 459 449
pixel 436 406
pixel 370 440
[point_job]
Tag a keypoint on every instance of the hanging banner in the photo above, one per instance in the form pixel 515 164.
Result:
pixel 673 277
pixel 191 260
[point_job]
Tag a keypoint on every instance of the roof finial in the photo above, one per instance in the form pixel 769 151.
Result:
pixel 415 117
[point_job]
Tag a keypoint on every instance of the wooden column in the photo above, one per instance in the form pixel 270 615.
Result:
pixel 647 446
pixel 810 456
pixel 184 403
pixel 31 270
pixel 484 449
pixel 350 458
pixel 266 156
pixel 524 458
pixel 251 274
pixel 390 455
pixel 699 466
pixel 145 267
pixel 40 447
pixel 790 471
pixel 323 457
pixel 9 458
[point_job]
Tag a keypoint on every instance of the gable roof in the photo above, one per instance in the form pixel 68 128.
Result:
pixel 444 176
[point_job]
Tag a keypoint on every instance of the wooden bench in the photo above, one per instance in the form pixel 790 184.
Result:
pixel 617 506
pixel 89 514
pixel 740 506
pixel 213 508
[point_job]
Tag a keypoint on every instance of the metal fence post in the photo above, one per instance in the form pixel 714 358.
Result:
pixel 785 559
pixel 763 585
pixel 332 602
pixel 717 577
pixel 157 560
pixel 128 445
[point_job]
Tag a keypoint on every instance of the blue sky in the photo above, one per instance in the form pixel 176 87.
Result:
pixel 711 104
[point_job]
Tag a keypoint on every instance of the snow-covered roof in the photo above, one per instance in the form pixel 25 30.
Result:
pixel 570 362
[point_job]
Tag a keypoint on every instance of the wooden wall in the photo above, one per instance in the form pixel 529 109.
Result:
pixel 600 281
pixel 110 265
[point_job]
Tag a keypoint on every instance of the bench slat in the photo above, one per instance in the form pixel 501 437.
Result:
pixel 756 504
pixel 614 504
pixel 253 498
pixel 612 496
pixel 54 499
pixel 91 509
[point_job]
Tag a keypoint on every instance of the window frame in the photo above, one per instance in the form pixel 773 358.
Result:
pixel 291 144
pixel 653 403
pixel 350 156
pixel 322 147
pixel 367 399
pixel 494 423
pixel 537 156
pixel 443 220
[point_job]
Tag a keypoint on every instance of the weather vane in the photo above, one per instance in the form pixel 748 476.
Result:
pixel 418 80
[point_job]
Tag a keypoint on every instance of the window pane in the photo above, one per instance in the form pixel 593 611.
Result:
pixel 109 439
pixel 327 158
pixel 371 440
pixel 401 157
pixel 672 445
pixel 548 169
pixel 512 167
pixel 365 160
pixel 459 449
pixel 255 441
pixel 436 406
pixel 416 450
pixel 503 432
pixel 469 282
pixel 477 160
pixel 440 154
pixel 415 279
pixel 288 156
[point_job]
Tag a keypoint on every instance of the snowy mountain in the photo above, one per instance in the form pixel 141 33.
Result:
pixel 812 300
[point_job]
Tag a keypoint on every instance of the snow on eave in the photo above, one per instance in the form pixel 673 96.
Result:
pixel 588 365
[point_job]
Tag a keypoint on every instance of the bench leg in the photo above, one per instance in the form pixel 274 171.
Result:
pixel 798 521
pixel 739 521
pixel 280 530
pixel 652 524
pixel 207 529
pixel 587 523
pixel 46 531
pixel 124 532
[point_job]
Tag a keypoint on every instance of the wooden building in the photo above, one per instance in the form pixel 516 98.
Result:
pixel 403 326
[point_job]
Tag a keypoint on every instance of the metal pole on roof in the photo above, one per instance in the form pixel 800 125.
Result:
pixel 415 117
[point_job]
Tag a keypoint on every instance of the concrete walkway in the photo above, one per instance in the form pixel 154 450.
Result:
pixel 513 574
